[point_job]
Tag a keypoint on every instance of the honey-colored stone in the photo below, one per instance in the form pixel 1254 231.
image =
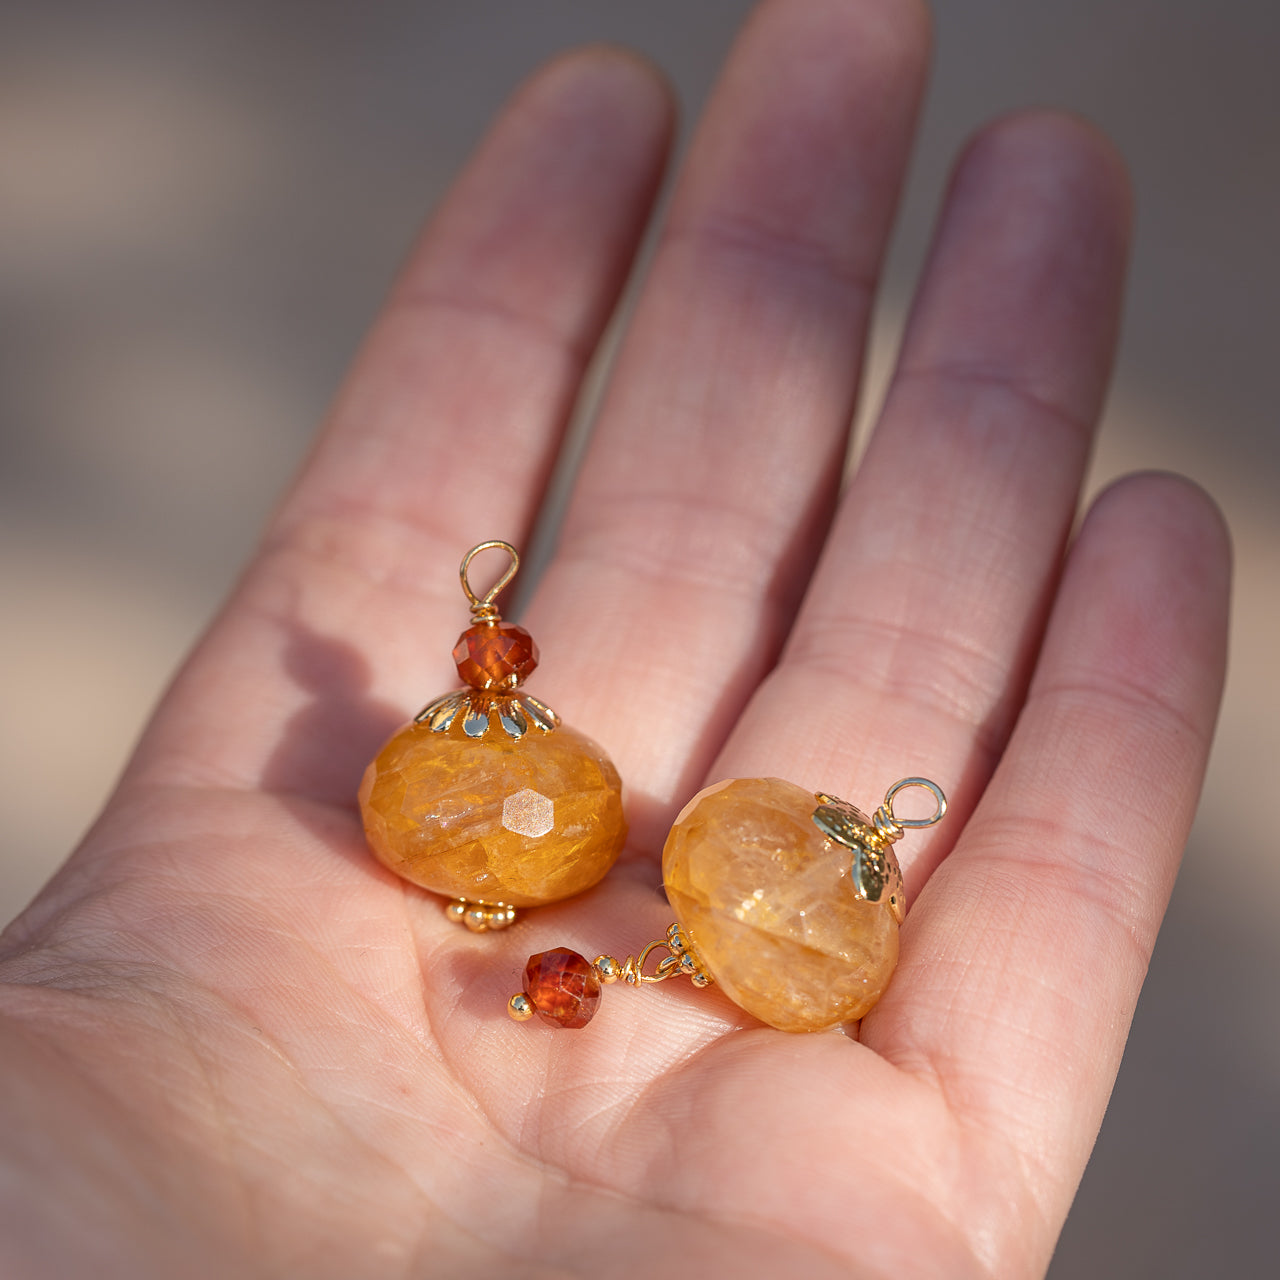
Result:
pixel 492 819
pixel 768 904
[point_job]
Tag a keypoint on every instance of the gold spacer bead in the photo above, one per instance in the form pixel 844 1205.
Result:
pixel 476 919
pixel 520 1007
pixel 608 968
pixel 456 910
pixel 501 917
pixel 701 979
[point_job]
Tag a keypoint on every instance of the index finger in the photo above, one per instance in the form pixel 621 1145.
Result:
pixel 443 436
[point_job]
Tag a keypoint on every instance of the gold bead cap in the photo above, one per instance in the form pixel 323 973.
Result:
pixel 874 871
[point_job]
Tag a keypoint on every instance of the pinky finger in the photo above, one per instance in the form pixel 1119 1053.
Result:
pixel 1023 958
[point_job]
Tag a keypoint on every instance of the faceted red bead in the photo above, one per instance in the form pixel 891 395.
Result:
pixel 563 986
pixel 495 655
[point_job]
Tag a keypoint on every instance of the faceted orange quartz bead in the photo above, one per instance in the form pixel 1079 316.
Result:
pixel 487 797
pixel 766 900
pixel 494 820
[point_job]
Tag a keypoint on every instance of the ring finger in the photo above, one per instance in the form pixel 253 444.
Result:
pixel 913 648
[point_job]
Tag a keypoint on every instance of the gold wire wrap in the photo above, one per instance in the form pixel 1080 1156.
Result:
pixel 891 819
pixel 680 959
pixel 483 608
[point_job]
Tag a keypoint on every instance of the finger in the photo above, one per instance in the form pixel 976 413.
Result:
pixel 444 433
pixel 1022 960
pixel 716 459
pixel 912 651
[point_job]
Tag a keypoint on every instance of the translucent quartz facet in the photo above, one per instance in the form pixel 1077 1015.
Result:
pixel 495 655
pixel 768 904
pixel 563 986
pixel 491 819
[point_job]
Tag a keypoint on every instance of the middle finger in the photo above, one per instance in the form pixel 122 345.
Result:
pixel 714 468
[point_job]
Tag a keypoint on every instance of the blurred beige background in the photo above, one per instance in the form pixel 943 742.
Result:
pixel 200 204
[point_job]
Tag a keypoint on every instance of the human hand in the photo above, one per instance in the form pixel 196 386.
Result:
pixel 234 1045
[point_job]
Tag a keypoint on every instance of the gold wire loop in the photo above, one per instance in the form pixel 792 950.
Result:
pixel 931 787
pixel 679 959
pixel 482 607
pixel 664 969
pixel 631 970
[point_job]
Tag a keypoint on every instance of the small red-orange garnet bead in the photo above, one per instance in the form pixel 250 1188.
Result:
pixel 495 655
pixel 563 987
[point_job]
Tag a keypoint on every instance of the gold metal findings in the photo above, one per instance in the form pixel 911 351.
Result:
pixel 874 871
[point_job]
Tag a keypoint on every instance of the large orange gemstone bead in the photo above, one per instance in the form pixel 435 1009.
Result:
pixel 768 903
pixel 493 819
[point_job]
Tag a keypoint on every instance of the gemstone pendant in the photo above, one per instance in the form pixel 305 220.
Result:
pixel 486 797
pixel 769 900
pixel 790 901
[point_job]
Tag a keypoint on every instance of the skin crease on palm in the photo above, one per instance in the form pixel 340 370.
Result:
pixel 234 1046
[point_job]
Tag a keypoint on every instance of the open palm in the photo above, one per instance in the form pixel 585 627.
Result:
pixel 233 1045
